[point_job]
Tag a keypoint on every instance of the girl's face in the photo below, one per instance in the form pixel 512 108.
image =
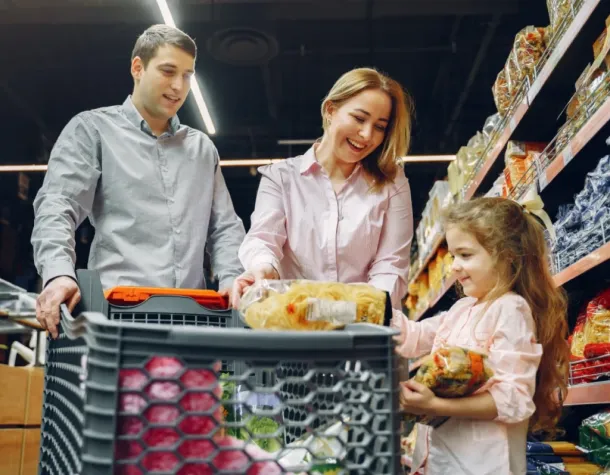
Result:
pixel 359 125
pixel 472 265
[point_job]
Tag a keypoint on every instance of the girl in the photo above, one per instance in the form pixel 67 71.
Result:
pixel 342 211
pixel 515 314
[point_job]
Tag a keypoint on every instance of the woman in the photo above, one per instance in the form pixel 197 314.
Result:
pixel 342 211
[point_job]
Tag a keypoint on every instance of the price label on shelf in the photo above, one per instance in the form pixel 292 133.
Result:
pixel 542 181
pixel 567 155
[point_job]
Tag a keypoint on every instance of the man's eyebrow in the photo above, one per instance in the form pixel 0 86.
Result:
pixel 369 114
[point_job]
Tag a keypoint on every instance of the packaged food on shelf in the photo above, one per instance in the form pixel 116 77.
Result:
pixel 581 228
pixel 601 46
pixel 429 229
pixel 309 305
pixel 501 93
pixel 519 157
pixel 491 126
pixel 559 10
pixel 528 47
pixel 594 436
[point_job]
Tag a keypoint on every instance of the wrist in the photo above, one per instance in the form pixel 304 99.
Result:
pixel 440 406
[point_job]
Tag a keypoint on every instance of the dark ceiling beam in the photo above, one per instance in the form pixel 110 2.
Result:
pixel 474 71
pixel 205 11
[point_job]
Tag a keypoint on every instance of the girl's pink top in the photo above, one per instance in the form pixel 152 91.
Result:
pixel 505 331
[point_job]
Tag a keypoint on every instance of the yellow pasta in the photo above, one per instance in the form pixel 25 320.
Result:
pixel 308 305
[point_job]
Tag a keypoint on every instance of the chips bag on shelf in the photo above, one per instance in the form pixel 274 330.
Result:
pixel 501 93
pixel 594 436
pixel 558 11
pixel 528 48
pixel 309 305
pixel 451 372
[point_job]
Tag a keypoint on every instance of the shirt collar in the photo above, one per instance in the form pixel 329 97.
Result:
pixel 309 162
pixel 134 116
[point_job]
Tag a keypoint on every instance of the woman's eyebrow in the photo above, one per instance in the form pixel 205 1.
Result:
pixel 369 114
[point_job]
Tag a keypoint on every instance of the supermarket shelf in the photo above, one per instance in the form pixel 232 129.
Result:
pixel 585 264
pixel 438 240
pixel 582 137
pixel 592 393
pixel 558 71
pixel 449 283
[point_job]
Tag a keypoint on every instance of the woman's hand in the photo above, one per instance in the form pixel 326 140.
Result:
pixel 415 398
pixel 262 272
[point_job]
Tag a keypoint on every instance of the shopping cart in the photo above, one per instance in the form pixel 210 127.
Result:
pixel 150 398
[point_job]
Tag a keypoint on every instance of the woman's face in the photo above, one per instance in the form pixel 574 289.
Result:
pixel 359 125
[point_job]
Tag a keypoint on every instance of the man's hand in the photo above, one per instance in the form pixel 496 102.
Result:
pixel 262 272
pixel 60 290
pixel 226 294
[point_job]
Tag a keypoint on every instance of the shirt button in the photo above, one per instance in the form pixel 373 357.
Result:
pixel 171 200
pixel 177 231
pixel 164 169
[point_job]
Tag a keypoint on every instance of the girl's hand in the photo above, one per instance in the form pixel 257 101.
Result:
pixel 415 398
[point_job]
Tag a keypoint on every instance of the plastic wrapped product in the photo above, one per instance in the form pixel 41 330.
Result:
pixel 558 11
pixel 594 435
pixel 528 48
pixel 309 305
pixel 454 372
pixel 501 93
pixel 451 372
pixel 491 124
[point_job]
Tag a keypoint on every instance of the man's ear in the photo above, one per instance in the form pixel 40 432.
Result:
pixel 137 68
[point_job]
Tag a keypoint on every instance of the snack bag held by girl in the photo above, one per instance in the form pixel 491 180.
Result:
pixel 512 313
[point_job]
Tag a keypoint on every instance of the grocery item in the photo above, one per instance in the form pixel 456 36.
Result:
pixel 519 157
pixel 594 436
pixel 528 47
pixel 451 372
pixel 558 11
pixel 309 305
pixel 501 93
pixel 454 372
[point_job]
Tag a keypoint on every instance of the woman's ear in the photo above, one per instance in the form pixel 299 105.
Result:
pixel 329 111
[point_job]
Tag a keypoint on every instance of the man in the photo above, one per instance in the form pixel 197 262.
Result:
pixel 151 187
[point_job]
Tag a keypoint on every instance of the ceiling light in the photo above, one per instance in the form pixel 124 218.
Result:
pixel 244 162
pixel 201 105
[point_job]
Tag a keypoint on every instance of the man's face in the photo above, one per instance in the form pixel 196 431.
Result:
pixel 163 85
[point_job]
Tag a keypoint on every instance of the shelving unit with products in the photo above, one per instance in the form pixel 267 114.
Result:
pixel 553 131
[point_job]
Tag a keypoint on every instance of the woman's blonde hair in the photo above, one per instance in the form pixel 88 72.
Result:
pixel 515 240
pixel 382 164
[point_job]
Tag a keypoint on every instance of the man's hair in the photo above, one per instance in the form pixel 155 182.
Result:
pixel 160 35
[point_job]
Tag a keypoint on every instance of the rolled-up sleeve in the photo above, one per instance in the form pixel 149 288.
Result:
pixel 389 270
pixel 514 357
pixel 416 338
pixel 225 234
pixel 265 240
pixel 65 199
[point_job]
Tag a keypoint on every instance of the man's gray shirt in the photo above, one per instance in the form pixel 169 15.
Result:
pixel 154 202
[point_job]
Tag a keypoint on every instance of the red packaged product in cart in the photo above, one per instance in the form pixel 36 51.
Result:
pixel 164 403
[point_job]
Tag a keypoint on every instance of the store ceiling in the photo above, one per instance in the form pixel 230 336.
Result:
pixel 65 56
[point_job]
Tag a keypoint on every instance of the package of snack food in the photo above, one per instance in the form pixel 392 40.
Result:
pixel 594 436
pixel 528 47
pixel 501 94
pixel 310 305
pixel 519 157
pixel 454 372
pixel 558 11
pixel 451 372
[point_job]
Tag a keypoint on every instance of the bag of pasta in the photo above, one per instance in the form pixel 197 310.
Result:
pixel 310 305
pixel 451 372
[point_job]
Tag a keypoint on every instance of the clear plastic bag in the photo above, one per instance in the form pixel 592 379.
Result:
pixel 528 48
pixel 558 10
pixel 491 124
pixel 501 94
pixel 451 372
pixel 454 372
pixel 309 305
